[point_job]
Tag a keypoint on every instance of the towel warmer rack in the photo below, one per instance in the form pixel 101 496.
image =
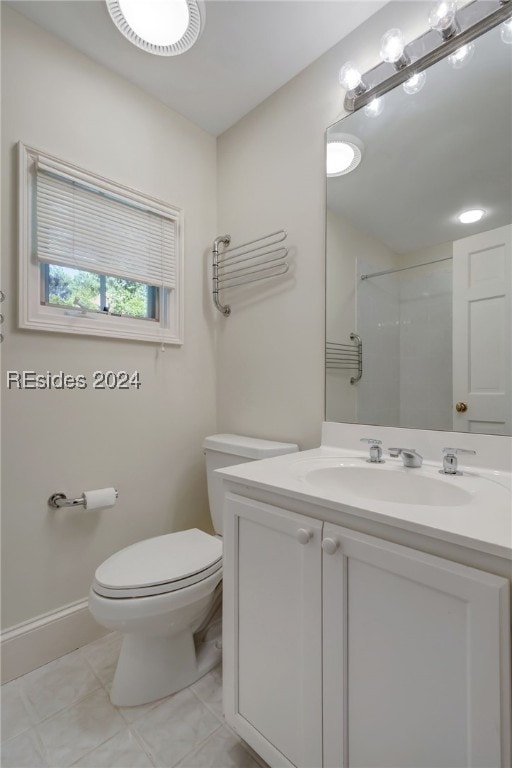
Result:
pixel 345 356
pixel 246 263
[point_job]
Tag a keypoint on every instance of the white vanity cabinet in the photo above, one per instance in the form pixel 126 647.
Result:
pixel 272 638
pixel 342 649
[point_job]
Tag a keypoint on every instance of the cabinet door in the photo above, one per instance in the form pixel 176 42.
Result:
pixel 416 658
pixel 272 631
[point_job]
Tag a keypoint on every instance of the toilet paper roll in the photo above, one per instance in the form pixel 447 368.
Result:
pixel 102 497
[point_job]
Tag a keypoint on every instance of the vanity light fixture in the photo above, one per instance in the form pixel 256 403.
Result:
pixel 443 19
pixel 506 32
pixel 462 56
pixel 472 216
pixel 453 28
pixel 161 27
pixel 343 156
pixel 415 83
pixel 392 47
pixel 351 80
pixel 374 107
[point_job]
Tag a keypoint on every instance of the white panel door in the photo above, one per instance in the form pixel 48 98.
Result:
pixel 482 289
pixel 272 631
pixel 416 658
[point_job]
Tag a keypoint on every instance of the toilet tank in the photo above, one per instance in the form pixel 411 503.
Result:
pixel 226 451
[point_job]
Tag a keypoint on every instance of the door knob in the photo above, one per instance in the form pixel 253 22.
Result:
pixel 303 535
pixel 461 407
pixel 330 546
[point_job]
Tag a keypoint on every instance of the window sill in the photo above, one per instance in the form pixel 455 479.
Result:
pixel 51 319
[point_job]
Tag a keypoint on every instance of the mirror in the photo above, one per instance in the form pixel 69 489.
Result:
pixel 428 296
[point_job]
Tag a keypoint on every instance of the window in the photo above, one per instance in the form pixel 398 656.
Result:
pixel 96 258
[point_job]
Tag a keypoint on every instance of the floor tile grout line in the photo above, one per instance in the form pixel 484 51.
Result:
pixel 196 747
pixel 144 747
pixel 34 717
pixel 208 706
pixel 96 675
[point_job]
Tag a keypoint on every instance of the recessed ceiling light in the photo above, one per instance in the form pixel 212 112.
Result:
pixel 343 156
pixel 470 217
pixel 162 27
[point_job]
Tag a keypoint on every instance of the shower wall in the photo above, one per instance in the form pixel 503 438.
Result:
pixel 405 321
pixel 378 324
pixel 426 347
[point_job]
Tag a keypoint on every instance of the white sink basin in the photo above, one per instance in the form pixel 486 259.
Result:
pixel 398 485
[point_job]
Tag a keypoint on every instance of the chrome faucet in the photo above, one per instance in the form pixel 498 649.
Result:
pixel 375 450
pixel 409 456
pixel 450 462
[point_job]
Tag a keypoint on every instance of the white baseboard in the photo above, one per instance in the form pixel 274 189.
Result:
pixel 33 643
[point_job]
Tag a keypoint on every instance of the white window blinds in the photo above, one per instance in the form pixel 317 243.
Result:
pixel 86 228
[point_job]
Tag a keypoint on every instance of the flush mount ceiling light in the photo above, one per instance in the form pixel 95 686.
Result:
pixel 343 156
pixel 161 27
pixel 470 217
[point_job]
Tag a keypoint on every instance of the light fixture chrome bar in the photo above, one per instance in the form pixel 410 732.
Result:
pixel 403 269
pixel 436 50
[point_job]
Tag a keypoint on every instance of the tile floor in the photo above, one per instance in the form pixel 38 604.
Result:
pixel 60 715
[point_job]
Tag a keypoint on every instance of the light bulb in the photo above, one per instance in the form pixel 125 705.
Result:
pixel 506 32
pixel 350 77
pixel 374 107
pixel 462 56
pixel 415 83
pixel 442 18
pixel 342 157
pixel 470 217
pixel 392 46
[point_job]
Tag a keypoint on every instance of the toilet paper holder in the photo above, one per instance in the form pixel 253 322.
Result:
pixel 60 500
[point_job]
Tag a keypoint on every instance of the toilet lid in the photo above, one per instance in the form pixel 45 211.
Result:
pixel 161 564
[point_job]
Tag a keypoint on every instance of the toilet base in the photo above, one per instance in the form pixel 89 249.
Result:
pixel 150 668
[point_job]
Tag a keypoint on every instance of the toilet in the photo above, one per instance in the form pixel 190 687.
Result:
pixel 161 593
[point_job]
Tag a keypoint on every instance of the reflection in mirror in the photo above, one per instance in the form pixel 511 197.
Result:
pixel 428 295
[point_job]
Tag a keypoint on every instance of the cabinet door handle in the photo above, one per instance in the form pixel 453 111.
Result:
pixel 330 546
pixel 303 535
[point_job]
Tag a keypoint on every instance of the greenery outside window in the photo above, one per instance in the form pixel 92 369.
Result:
pixel 96 258
pixel 93 292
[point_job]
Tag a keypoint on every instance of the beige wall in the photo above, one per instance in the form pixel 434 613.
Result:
pixel 271 175
pixel 147 443
pixel 270 377
pixel 345 245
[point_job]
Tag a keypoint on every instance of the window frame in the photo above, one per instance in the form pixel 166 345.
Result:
pixel 33 315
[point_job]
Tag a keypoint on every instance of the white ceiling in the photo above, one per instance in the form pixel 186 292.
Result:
pixel 249 49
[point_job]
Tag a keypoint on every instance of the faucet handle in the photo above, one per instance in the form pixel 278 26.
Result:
pixel 450 462
pixel 454 451
pixel 375 450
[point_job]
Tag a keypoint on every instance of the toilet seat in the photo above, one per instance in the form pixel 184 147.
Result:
pixel 159 565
